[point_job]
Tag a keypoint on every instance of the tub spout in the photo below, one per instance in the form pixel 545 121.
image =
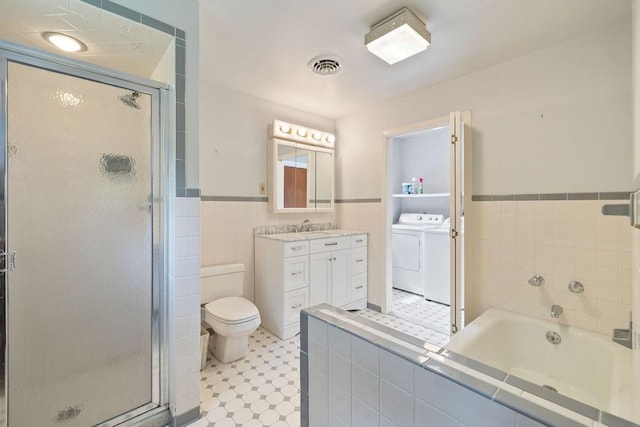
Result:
pixel 556 311
pixel 624 336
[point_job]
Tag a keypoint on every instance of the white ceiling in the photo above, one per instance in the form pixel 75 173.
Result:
pixel 262 47
pixel 112 41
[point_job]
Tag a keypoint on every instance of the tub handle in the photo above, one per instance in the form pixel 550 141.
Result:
pixel 576 287
pixel 536 280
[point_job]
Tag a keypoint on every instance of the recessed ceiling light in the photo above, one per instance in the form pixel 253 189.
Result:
pixel 64 42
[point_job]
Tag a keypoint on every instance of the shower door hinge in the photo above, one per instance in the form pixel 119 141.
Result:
pixel 9 263
pixel 454 139
pixel 454 328
pixel 453 233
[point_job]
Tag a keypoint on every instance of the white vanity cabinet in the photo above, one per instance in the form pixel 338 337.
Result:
pixel 292 275
pixel 282 284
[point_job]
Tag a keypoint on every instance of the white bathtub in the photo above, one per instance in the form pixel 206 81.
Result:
pixel 585 366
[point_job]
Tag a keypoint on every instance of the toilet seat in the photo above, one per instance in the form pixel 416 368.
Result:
pixel 232 311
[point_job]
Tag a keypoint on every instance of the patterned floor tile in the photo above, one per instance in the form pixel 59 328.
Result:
pixel 263 389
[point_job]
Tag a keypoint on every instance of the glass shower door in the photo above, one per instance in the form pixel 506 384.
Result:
pixel 80 298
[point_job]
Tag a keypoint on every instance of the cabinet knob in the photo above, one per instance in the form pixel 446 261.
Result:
pixel 296 306
pixel 359 287
pixel 359 260
pixel 358 240
pixel 296 273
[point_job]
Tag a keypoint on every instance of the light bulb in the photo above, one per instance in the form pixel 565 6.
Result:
pixel 302 133
pixel 285 128
pixel 64 42
pixel 317 136
pixel 330 139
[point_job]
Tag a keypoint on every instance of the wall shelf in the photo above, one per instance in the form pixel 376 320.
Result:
pixel 417 196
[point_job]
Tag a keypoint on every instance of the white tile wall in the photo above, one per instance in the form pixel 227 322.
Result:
pixel 636 315
pixel 227 232
pixel 187 304
pixel 388 391
pixel 562 241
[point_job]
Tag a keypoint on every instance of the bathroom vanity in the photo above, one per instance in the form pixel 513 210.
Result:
pixel 296 270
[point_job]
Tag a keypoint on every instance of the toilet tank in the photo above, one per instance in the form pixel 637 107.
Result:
pixel 219 281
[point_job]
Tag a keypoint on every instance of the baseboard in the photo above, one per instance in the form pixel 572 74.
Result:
pixel 374 307
pixel 187 417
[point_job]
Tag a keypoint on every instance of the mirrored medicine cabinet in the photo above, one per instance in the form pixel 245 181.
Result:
pixel 301 176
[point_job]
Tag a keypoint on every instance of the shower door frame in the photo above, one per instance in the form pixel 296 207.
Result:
pixel 162 187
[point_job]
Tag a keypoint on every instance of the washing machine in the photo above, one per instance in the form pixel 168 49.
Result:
pixel 409 260
pixel 437 285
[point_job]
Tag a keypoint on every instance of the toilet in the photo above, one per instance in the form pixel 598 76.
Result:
pixel 232 317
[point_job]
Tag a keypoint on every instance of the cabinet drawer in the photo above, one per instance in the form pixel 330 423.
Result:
pixel 296 248
pixel 294 301
pixel 359 241
pixel 332 244
pixel 358 260
pixel 358 286
pixel 296 272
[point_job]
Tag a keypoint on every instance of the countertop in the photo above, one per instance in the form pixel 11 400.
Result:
pixel 311 235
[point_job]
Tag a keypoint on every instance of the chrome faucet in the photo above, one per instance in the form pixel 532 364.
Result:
pixel 556 311
pixel 624 336
pixel 306 225
pixel 536 280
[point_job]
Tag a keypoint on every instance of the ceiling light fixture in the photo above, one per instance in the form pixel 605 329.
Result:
pixel 398 37
pixel 64 42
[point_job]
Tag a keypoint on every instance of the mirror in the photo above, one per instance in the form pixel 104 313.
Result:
pixel 301 177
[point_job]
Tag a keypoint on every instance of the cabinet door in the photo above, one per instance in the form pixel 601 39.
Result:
pixel 339 290
pixel 319 277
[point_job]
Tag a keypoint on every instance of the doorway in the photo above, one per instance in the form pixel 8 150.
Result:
pixel 83 243
pixel 425 198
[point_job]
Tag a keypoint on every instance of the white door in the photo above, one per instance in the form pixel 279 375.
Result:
pixel 340 278
pixel 459 151
pixel 319 277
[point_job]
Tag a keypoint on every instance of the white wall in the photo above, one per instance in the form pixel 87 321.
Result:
pixel 234 133
pixel 581 87
pixel 636 232
pixel 185 16
pixel 582 143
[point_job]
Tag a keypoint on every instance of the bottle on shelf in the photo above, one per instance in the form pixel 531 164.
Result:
pixel 414 186
pixel 420 188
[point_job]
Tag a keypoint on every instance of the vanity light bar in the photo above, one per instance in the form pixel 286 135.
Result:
pixel 291 132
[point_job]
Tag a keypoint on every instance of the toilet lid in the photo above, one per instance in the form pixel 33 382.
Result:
pixel 232 309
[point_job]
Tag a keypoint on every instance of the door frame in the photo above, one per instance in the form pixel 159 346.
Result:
pixel 387 201
pixel 163 190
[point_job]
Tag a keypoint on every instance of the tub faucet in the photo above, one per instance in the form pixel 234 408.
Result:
pixel 624 336
pixel 556 311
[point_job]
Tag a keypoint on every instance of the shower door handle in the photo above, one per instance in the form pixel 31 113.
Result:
pixel 11 261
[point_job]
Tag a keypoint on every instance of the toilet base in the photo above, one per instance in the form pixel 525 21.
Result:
pixel 228 349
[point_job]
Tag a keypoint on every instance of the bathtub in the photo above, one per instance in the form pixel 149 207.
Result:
pixel 585 366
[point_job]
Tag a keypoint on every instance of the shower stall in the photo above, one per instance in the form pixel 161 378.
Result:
pixel 83 243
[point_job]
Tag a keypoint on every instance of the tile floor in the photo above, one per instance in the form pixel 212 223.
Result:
pixel 418 310
pixel 263 389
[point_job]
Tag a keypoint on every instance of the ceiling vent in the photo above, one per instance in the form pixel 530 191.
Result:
pixel 325 65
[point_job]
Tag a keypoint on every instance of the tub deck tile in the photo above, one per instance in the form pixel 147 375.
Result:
pixel 536 412
pixel 613 421
pixel 478 366
pixel 560 399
